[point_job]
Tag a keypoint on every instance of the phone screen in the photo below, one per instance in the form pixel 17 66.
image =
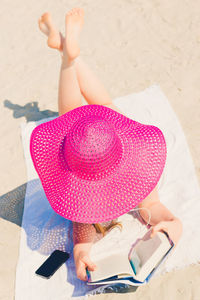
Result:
pixel 52 263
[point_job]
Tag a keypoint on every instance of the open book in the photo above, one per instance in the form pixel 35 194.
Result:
pixel 135 267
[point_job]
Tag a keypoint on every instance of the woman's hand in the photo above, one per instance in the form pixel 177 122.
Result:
pixel 82 260
pixel 174 229
pixel 83 237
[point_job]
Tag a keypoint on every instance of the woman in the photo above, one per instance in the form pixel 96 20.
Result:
pixel 76 79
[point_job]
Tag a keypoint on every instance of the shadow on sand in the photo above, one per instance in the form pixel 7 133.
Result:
pixel 30 111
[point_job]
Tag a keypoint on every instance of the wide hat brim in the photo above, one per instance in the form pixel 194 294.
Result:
pixel 95 201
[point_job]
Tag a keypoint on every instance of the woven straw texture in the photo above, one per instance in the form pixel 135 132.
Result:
pixel 96 164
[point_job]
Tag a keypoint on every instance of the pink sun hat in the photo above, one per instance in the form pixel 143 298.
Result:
pixel 95 164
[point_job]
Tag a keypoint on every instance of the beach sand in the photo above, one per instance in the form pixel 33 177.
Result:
pixel 130 45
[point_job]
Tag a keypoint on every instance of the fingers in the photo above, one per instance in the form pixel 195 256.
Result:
pixel 81 271
pixel 159 227
pixel 81 268
pixel 91 266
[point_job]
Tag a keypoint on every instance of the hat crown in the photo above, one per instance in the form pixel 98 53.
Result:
pixel 92 148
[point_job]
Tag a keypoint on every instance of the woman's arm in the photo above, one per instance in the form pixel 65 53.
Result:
pixel 83 236
pixel 161 217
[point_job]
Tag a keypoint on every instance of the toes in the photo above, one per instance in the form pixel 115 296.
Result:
pixel 46 16
pixel 69 13
pixel 76 11
pixel 81 11
pixel 73 11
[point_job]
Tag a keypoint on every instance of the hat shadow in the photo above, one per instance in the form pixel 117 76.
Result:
pixel 47 231
pixel 30 111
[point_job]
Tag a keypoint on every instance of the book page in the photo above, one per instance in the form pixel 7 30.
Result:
pixel 147 247
pixel 112 265
pixel 150 251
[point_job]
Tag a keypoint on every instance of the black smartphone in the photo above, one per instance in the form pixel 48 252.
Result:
pixel 52 263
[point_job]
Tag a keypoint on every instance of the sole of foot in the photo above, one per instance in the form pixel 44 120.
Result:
pixel 74 20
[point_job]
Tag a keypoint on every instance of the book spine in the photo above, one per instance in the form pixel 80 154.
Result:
pixel 88 275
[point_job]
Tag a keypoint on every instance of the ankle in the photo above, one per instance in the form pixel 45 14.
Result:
pixel 66 61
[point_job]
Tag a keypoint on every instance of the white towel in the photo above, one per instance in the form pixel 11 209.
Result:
pixel 43 230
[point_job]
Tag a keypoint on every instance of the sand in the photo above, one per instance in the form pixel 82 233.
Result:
pixel 130 45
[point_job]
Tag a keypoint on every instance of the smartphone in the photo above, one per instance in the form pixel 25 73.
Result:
pixel 52 263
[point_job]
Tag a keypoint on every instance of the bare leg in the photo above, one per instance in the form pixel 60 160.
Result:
pixel 90 86
pixel 69 94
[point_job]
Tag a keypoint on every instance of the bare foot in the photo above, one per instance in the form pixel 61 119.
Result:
pixel 73 24
pixel 55 38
